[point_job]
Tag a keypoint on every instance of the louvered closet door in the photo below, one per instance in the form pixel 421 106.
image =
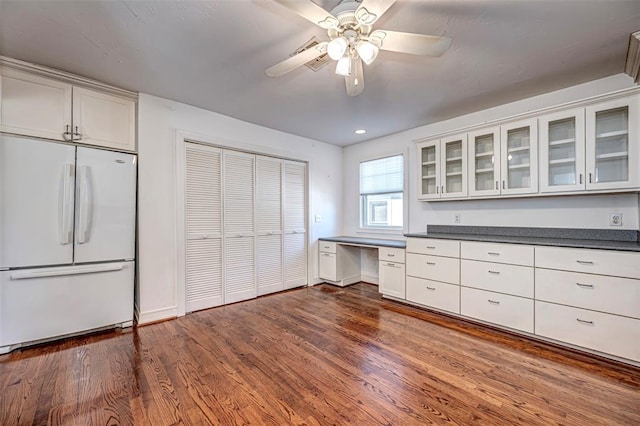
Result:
pixel 203 217
pixel 239 230
pixel 295 253
pixel 269 225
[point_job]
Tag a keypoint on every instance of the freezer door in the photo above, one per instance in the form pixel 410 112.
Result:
pixel 36 202
pixel 45 303
pixel 105 206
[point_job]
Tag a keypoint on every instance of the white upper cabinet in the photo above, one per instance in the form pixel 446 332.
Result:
pixel 104 120
pixel 32 105
pixel 562 151
pixel 484 162
pixel 519 157
pixel 453 164
pixel 612 144
pixel 443 168
pixel 429 167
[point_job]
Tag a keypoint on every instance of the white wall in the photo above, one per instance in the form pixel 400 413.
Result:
pixel 158 121
pixel 565 212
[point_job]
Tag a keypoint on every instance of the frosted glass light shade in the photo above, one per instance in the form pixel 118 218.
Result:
pixel 336 48
pixel 367 51
pixel 344 66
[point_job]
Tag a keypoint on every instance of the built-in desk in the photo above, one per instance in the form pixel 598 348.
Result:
pixel 340 262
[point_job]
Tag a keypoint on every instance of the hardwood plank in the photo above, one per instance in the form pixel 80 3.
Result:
pixel 313 356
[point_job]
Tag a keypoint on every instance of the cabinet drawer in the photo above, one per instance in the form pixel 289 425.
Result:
pixel 509 311
pixel 510 279
pixel 435 247
pixel 514 254
pixel 602 332
pixel 327 267
pixel 327 246
pixel 392 276
pixel 436 268
pixel 433 293
pixel 391 254
pixel 604 262
pixel 613 295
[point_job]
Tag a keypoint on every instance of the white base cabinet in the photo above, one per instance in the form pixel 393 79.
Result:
pixel 585 298
pixel 391 270
pixel 611 334
pixel 338 264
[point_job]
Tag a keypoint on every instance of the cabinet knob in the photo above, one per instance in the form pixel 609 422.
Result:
pixel 67 135
pixel 76 135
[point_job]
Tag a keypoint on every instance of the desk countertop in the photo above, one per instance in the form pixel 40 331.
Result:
pixel 366 241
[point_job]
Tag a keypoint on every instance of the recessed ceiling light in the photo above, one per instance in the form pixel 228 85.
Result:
pixel 361 132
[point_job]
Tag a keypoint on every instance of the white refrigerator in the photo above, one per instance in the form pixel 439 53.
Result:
pixel 67 240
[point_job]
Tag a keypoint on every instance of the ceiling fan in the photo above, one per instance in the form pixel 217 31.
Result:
pixel 352 39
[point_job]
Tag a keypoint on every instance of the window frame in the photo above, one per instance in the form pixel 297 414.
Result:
pixel 363 227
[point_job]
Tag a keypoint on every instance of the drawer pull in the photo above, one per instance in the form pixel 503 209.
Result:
pixel 431 247
pixel 327 247
pixel 494 272
pixel 494 253
pixel 326 254
pixel 431 288
pixel 493 302
pixel 585 262
pixel 584 285
pixel 393 265
pixel 431 263
pixel 391 255
pixel 584 321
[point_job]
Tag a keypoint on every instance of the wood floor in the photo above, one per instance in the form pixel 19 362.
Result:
pixel 317 356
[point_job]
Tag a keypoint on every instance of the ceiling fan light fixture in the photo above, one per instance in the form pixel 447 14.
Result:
pixel 344 66
pixel 337 47
pixel 367 51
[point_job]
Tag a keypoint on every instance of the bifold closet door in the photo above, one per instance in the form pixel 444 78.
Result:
pixel 203 223
pixel 295 241
pixel 239 229
pixel 269 225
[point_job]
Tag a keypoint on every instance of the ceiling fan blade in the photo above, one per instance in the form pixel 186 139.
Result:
pixel 370 11
pixel 355 81
pixel 414 44
pixel 311 11
pixel 295 61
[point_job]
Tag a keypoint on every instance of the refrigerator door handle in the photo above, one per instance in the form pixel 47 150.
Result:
pixel 85 210
pixel 66 206
pixel 58 272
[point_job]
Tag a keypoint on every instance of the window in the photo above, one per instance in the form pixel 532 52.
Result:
pixel 381 189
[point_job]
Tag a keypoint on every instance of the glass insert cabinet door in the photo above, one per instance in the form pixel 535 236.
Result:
pixel 429 166
pixel 484 162
pixel 612 144
pixel 519 157
pixel 453 163
pixel 562 151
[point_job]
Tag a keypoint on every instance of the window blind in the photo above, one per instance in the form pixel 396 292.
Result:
pixel 382 176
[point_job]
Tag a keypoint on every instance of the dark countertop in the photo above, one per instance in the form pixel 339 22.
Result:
pixel 366 241
pixel 590 239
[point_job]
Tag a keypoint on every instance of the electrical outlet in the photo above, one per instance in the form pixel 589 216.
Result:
pixel 457 218
pixel 615 219
pixel 318 218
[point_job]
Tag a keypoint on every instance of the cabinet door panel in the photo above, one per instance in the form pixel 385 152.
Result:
pixel 104 120
pixel 269 263
pixel 453 166
pixel 429 167
pixel 239 269
pixel 519 157
pixel 34 106
pixel 484 162
pixel 392 277
pixel 562 151
pixel 612 149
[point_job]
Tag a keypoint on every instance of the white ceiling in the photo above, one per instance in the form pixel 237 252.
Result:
pixel 212 54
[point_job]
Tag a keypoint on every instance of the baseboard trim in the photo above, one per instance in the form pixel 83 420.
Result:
pixel 157 315
pixel 370 279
